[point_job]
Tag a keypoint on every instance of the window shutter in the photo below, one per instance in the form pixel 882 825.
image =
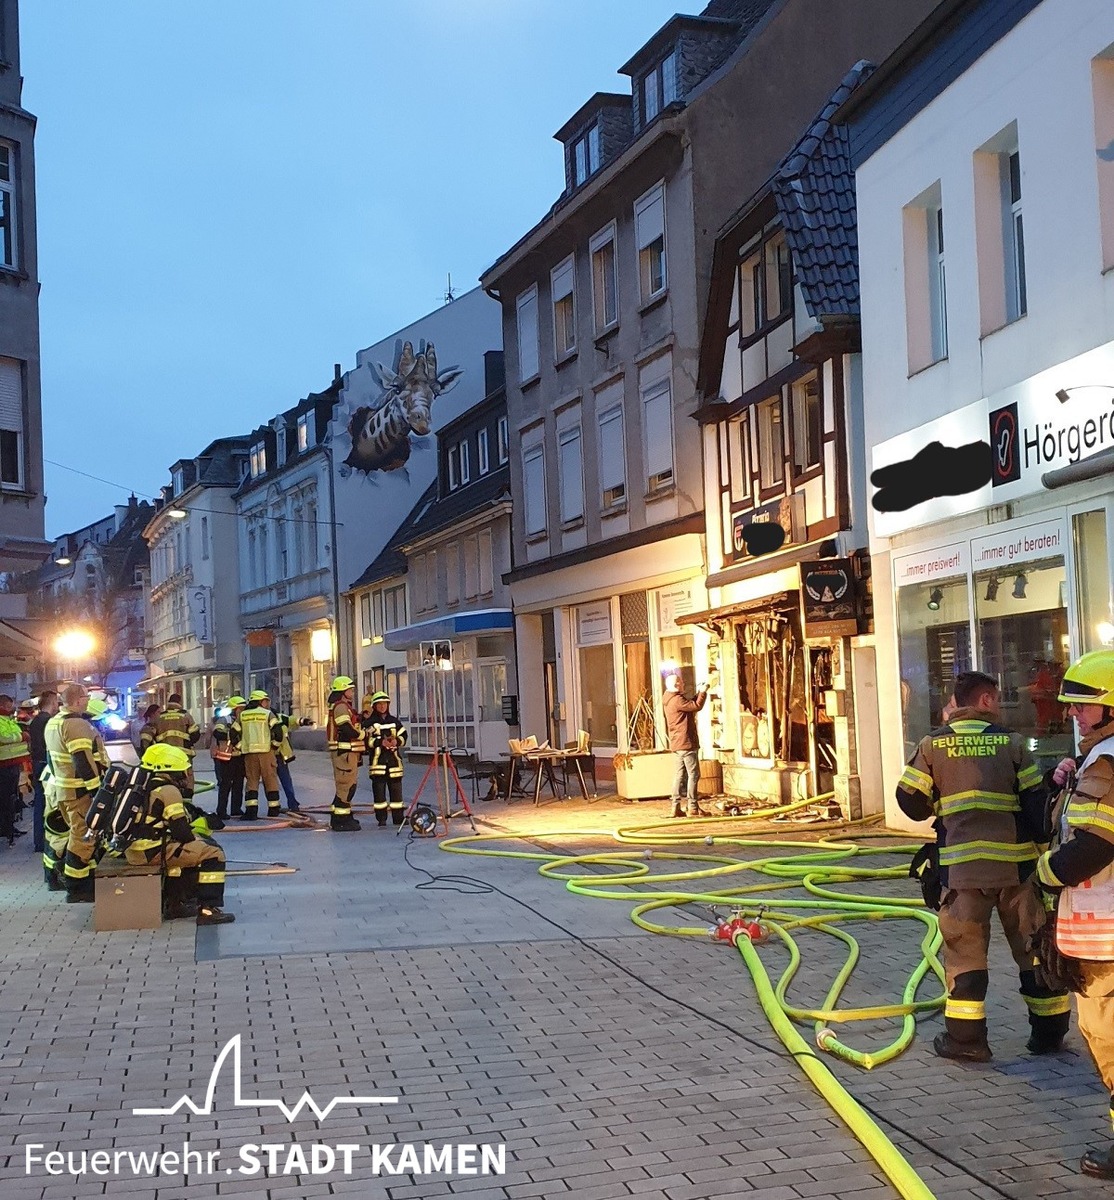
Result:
pixel 487 567
pixel 571 475
pixel 612 451
pixel 528 334
pixel 650 217
pixel 11 395
pixel 533 478
pixel 658 430
pixel 563 280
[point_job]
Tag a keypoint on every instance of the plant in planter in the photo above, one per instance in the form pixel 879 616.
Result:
pixel 646 772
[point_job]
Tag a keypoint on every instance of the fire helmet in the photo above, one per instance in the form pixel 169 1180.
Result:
pixel 170 759
pixel 1089 680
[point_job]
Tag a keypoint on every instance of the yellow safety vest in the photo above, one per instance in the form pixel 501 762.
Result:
pixel 255 730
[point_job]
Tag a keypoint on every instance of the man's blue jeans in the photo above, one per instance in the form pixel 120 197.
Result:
pixel 38 809
pixel 688 771
pixel 282 767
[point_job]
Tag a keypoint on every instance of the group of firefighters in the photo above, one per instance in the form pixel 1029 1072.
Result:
pixel 373 729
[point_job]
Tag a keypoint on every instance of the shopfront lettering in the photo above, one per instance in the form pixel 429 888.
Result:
pixel 1019 548
pixel 1046 443
pixel 932 566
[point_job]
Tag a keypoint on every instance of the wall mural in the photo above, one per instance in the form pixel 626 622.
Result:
pixel 381 434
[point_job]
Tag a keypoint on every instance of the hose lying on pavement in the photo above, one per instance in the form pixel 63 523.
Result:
pixel 819 868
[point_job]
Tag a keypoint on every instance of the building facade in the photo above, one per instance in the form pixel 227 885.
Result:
pixel 194 644
pixel 603 303
pixel 986 210
pixel 22 502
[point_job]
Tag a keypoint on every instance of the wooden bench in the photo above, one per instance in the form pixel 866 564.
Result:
pixel 126 896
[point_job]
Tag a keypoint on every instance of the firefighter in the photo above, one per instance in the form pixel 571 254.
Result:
pixel 345 742
pixel 175 727
pixel 194 865
pixel 147 730
pixel 1079 867
pixel 257 732
pixel 386 737
pixel 988 800
pixel 74 778
pixel 13 753
pixel 228 762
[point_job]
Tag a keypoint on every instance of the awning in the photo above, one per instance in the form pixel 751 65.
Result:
pixel 778 601
pixel 455 625
pixel 20 648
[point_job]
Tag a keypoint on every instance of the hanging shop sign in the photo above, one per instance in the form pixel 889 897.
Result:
pixel 201 614
pixel 830 598
pixel 768 528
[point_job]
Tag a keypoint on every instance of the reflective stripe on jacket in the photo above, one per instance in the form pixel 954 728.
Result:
pixel 12 747
pixel 343 729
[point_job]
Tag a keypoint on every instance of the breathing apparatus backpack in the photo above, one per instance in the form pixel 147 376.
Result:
pixel 119 809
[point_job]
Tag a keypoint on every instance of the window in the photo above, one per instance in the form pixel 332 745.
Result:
pixel 1102 88
pixel 178 481
pixel 504 441
pixel 11 423
pixel 452 573
pixel 938 296
pixel 204 538
pixel 771 444
pixel 659 87
pixel 585 154
pixel 486 563
pixel 311 535
pixel 280 443
pixel 570 472
pixel 453 468
pixel 926 313
pixel 481 452
pixel 765 285
pixel 533 486
pixel 563 284
pixel 394 607
pixel 808 424
pixel 999 233
pixel 528 335
pixel 377 614
pixel 605 279
pixel 1016 305
pixel 299 539
pixel 303 432
pixel 7 205
pixel 465 463
pixel 657 435
pixel 365 618
pixel 281 548
pixel 649 220
pixel 258 459
pixel 471 568
pixel 612 451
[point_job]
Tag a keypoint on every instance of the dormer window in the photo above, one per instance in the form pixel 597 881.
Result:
pixel 178 476
pixel 659 87
pixel 258 459
pixel 280 442
pixel 303 432
pixel 586 155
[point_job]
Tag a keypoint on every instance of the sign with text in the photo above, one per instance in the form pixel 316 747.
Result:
pixel 1010 547
pixel 673 602
pixel 829 594
pixel 749 528
pixel 201 614
pixel 929 566
pixel 593 623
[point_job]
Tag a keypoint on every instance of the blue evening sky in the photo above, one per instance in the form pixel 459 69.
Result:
pixel 233 195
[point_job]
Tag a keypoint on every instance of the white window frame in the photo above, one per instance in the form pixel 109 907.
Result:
pixel 365 618
pixel 9 206
pixel 613 466
pixel 585 155
pixel 377 614
pixel 771 453
pixel 465 463
pixel 484 463
pixel 529 355
pixel 657 416
pixel 534 506
pixel 471 557
pixel 570 473
pixel 1013 236
pixel 394 607
pixel 453 469
pixel 504 434
pixel 937 281
pixel 303 432
pixel 649 225
pixel 597 246
pixel 11 419
pixel 258 459
pixel 562 285
pixel 799 402
pixel 178 480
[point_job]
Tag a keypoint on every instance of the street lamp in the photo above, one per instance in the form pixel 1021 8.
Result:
pixel 178 514
pixel 75 645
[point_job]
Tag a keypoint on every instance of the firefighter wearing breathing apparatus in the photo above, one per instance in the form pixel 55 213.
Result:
pixel 228 762
pixel 345 742
pixel 257 733
pixel 1077 873
pixel 386 737
pixel 194 865
pixel 74 776
pixel 988 800
pixel 175 727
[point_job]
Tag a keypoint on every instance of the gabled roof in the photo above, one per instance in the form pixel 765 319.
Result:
pixel 462 503
pixel 390 561
pixel 814 189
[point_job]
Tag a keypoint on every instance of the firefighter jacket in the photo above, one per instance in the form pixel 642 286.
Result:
pixel 12 746
pixel 284 748
pixel 175 727
pixel 146 736
pixel 1081 860
pixel 222 748
pixel 70 751
pixel 987 797
pixel 385 759
pixel 166 817
pixel 256 730
pixel 343 729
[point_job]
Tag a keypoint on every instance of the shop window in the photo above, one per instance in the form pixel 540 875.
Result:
pixel 596 667
pixel 1095 619
pixel 772 687
pixel 634 623
pixel 934 646
pixel 492 677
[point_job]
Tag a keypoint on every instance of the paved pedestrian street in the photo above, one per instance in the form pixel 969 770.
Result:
pixel 611 1063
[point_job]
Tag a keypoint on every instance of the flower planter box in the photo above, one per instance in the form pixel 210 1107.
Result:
pixel 645 776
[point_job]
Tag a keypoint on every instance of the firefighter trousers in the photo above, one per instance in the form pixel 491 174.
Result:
pixel 386 796
pixel 77 859
pixel 260 767
pixel 230 785
pixel 346 769
pixel 198 864
pixel 965 926
pixel 1095 1009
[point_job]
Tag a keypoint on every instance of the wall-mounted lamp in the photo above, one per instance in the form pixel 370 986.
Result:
pixel 1019 585
pixel 178 514
pixel 934 598
pixel 992 586
pixel 321 645
pixel 63 560
pixel 1064 394
pixel 1105 632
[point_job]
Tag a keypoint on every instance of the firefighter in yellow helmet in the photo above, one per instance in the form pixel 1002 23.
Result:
pixel 257 733
pixel 988 799
pixel 345 742
pixel 386 737
pixel 228 762
pixel 175 727
pixel 1078 869
pixel 74 776
pixel 194 865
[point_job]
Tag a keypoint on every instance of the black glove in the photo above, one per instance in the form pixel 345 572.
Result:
pixel 1053 969
pixel 925 869
pixel 180 830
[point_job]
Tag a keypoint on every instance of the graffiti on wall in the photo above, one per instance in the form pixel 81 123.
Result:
pixel 381 434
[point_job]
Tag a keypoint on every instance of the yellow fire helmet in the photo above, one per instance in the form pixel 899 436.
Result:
pixel 160 757
pixel 380 697
pixel 96 706
pixel 259 694
pixel 341 684
pixel 236 702
pixel 1089 680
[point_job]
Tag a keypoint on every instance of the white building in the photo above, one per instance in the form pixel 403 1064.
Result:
pixel 193 641
pixel 985 183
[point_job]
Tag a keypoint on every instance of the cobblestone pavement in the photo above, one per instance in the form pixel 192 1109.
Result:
pixel 611 1063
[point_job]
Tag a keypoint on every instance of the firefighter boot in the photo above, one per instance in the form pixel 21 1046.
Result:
pixel 948 1047
pixel 53 883
pixel 81 894
pixel 347 824
pixel 209 914
pixel 1098 1163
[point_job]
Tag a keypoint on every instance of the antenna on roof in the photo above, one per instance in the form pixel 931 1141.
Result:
pixel 450 293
